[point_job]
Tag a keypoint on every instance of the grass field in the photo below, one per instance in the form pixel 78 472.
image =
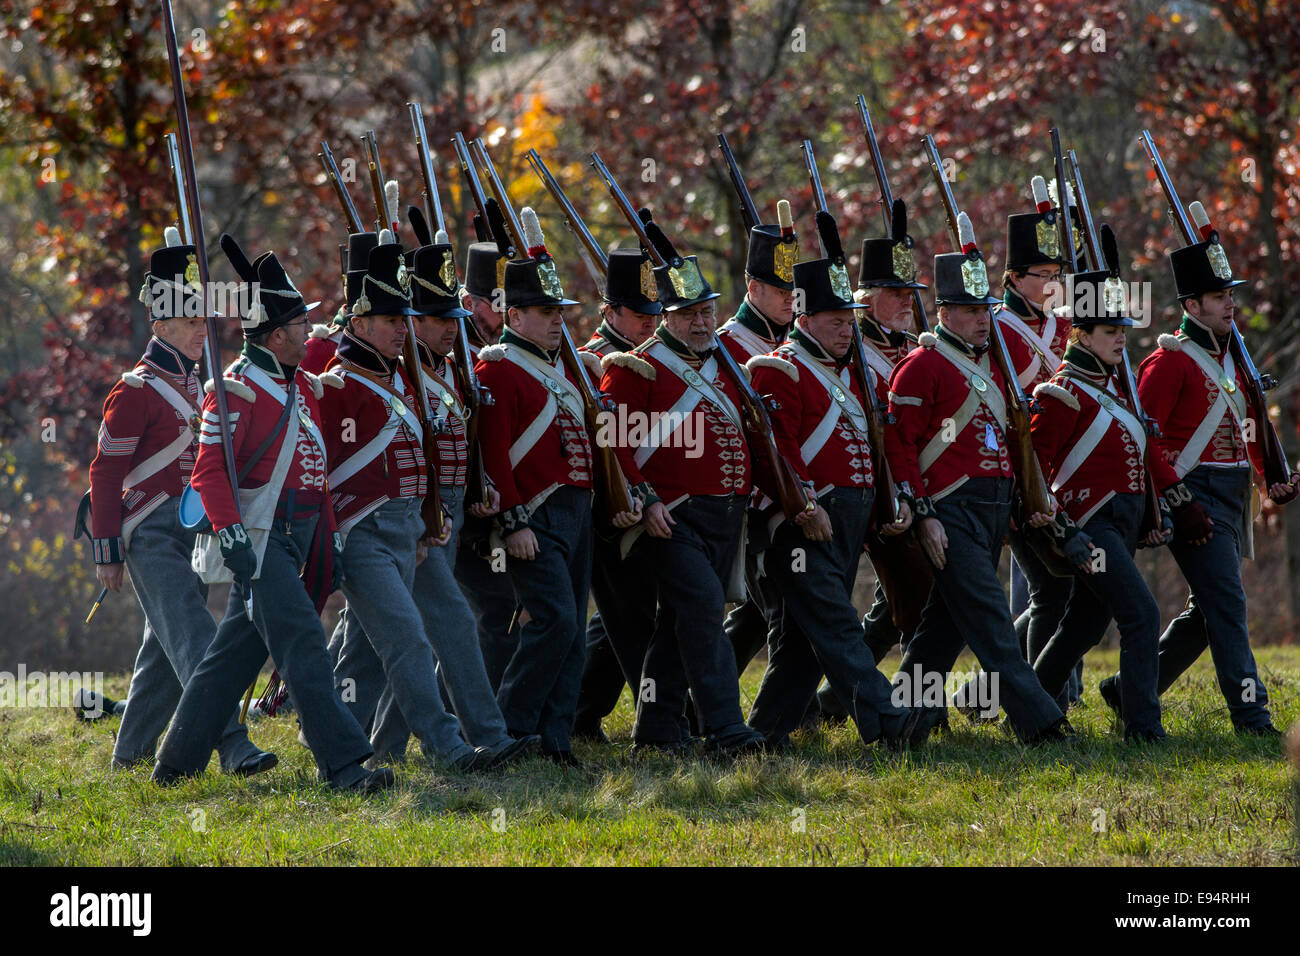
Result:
pixel 973 797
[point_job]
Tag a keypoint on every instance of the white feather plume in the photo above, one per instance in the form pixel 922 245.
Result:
pixel 172 236
pixel 1039 185
pixel 1199 216
pixel 532 228
pixel 783 217
pixel 965 231
pixel 1054 193
pixel 390 197
pixel 385 237
pixel 442 238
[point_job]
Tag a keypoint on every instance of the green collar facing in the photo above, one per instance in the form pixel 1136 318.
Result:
pixel 1201 335
pixel 265 359
pixel 754 320
pixel 511 337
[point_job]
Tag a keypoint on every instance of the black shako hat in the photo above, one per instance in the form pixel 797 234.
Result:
pixel 1034 238
pixel 485 269
pixel 680 281
pixel 888 262
pixel 171 288
pixel 533 281
pixel 278 300
pixel 823 284
pixel 773 250
pixel 1098 297
pixel 384 286
pixel 1203 266
pixel 630 282
pixel 962 278
pixel 434 289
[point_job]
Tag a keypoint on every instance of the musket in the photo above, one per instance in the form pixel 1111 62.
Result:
pixel 1063 223
pixel 514 229
pixel 1152 517
pixel 886 506
pixel 593 256
pixel 887 198
pixel 431 509
pixel 387 212
pixel 178 179
pixel 475 395
pixel 1029 473
pixel 211 347
pixel 1276 468
pixel 791 494
pixel 748 211
pixel 466 162
pixel 326 157
pixel 612 487
pixel 432 202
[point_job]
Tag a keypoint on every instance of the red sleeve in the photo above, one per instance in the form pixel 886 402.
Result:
pixel 904 441
pixel 497 430
pixel 1051 428
pixel 125 422
pixel 210 478
pixel 1160 381
pixel 631 392
pixel 786 417
pixel 1022 356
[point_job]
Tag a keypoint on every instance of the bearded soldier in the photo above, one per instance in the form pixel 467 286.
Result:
pixel 280 522
pixel 1192 387
pixel 147 444
pixel 619 632
pixel 949 446
pixel 821 428
pixel 483 580
pixel 1090 441
pixel 697 470
pixel 378 479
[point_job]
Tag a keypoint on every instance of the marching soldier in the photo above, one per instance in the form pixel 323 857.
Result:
pixel 690 539
pixel 538 453
pixel 619 632
pixel 1193 389
pixel 484 582
pixel 1090 441
pixel 280 521
pixel 377 481
pixel 760 325
pixel 949 447
pixel 821 428
pixel 1036 339
pixel 448 620
pixel 147 444
pixel 886 280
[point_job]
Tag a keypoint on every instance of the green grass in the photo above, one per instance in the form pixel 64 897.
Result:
pixel 974 797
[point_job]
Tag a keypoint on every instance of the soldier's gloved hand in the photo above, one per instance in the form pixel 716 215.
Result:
pixel 237 553
pixel 336 580
pixel 1078 551
pixel 1192 524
